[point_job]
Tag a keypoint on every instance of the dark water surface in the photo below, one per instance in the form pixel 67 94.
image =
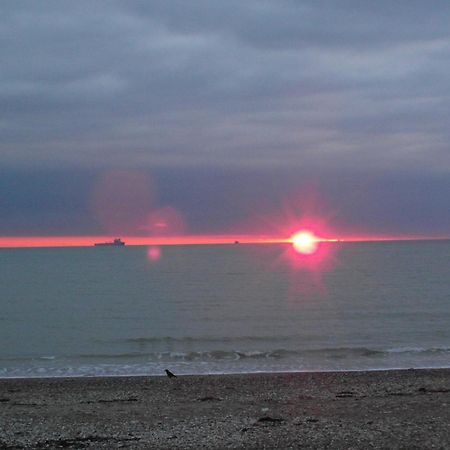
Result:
pixel 221 309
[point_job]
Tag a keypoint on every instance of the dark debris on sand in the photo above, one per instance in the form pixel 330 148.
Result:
pixel 396 409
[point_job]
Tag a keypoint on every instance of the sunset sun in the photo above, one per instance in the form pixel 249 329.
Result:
pixel 305 242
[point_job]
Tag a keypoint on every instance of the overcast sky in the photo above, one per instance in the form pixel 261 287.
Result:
pixel 228 109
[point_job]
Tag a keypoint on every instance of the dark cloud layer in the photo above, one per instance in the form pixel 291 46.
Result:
pixel 254 90
pixel 232 201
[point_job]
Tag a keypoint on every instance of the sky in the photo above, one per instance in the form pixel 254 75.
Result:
pixel 213 117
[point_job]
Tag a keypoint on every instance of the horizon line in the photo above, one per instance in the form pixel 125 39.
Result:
pixel 204 239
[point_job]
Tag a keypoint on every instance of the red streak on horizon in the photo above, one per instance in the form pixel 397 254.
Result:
pixel 87 241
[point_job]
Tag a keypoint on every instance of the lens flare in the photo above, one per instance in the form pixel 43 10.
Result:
pixel 154 253
pixel 165 221
pixel 305 242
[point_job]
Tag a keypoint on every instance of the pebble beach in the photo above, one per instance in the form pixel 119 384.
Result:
pixel 377 409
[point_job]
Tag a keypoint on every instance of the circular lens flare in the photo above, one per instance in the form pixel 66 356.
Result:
pixel 154 253
pixel 305 242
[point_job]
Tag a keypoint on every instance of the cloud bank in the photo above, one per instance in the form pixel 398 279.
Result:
pixel 257 83
pixel 230 107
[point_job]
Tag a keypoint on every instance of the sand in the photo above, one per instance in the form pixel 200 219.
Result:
pixel 386 409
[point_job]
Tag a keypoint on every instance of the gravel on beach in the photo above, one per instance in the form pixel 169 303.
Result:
pixel 336 410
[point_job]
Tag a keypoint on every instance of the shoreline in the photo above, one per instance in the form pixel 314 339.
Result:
pixel 225 374
pixel 358 409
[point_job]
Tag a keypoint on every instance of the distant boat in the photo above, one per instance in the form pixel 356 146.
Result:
pixel 115 243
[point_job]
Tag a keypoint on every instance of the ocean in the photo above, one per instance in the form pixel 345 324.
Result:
pixel 215 309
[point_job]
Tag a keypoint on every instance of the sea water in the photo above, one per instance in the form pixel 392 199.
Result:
pixel 223 309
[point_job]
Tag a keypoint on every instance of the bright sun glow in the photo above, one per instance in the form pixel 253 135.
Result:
pixel 305 242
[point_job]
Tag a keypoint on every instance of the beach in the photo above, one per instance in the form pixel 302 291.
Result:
pixel 376 409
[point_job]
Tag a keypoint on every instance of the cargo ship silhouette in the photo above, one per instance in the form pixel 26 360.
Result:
pixel 115 243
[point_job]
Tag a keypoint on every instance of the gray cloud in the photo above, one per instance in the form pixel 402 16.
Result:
pixel 313 83
pixel 217 99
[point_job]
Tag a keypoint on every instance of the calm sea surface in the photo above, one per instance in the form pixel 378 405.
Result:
pixel 223 309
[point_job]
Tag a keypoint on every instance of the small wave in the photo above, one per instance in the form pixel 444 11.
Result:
pixel 281 353
pixel 422 350
pixel 234 355
pixel 28 358
pixel 345 352
pixel 202 339
pixel 332 353
pixel 220 355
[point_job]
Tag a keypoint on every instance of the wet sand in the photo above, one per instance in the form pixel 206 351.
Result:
pixel 386 409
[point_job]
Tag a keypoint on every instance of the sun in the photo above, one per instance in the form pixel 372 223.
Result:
pixel 305 242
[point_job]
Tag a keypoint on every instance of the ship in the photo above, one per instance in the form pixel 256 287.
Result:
pixel 115 243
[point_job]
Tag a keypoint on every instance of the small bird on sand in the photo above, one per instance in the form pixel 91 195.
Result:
pixel 170 374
